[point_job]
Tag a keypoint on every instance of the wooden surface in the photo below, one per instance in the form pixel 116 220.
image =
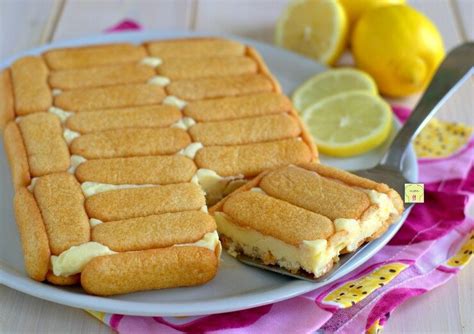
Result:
pixel 28 23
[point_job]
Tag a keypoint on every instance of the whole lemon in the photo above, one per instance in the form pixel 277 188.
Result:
pixel 355 8
pixel 399 47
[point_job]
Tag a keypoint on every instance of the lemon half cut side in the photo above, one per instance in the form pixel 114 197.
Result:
pixel 349 123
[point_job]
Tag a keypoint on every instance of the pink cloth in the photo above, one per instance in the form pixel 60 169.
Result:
pixel 434 243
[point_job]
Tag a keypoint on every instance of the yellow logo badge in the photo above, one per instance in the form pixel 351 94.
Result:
pixel 414 193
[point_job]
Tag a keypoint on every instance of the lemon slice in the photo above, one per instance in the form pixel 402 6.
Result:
pixel 330 83
pixel 349 123
pixel 315 28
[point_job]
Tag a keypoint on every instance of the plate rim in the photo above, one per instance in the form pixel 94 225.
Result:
pixel 18 281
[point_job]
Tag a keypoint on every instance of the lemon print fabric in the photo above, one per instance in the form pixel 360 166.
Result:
pixel 399 47
pixel 357 290
pixel 314 28
pixel 441 139
pixel 349 124
pixel 464 255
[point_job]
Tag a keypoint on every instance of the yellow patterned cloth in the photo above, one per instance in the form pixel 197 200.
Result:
pixel 440 139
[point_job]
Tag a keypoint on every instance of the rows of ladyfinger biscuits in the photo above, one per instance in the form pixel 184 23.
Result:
pixel 331 209
pixel 106 144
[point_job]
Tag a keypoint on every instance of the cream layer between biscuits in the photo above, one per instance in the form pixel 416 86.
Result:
pixel 314 256
pixel 73 260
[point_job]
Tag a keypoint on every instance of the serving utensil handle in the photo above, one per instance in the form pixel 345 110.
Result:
pixel 456 68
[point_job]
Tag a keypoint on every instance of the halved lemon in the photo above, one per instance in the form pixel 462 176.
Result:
pixel 349 123
pixel 315 28
pixel 330 83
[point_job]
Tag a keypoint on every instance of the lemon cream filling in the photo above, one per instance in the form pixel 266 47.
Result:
pixel 191 150
pixel 174 101
pixel 32 184
pixel 56 92
pixel 70 135
pixel 94 222
pixel 73 260
pixel 76 160
pixel 216 186
pixel 159 80
pixel 371 222
pixel 209 240
pixel 185 123
pixel 314 256
pixel 60 113
pixel 92 188
pixel 151 61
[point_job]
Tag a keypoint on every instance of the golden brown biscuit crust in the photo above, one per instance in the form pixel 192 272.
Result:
pixel 192 68
pixel 138 170
pixel 60 199
pixel 7 111
pixel 101 76
pixel 277 218
pixel 140 202
pixel 149 269
pixel 230 108
pixel 44 143
pixel 63 280
pixel 195 47
pixel 245 131
pixel 34 239
pixel 16 154
pixel 155 231
pixel 208 88
pixel 252 159
pixel 130 142
pixel 92 56
pixel 30 85
pixel 119 96
pixel 313 192
pixel 153 116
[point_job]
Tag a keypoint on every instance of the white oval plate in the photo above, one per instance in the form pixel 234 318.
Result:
pixel 236 286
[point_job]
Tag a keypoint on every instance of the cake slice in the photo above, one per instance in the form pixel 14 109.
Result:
pixel 302 217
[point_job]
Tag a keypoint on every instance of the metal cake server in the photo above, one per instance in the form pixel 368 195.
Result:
pixel 457 67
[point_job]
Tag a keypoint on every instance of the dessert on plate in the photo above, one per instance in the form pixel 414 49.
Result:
pixel 301 217
pixel 116 150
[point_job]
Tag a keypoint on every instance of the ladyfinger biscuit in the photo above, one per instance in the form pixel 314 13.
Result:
pixel 154 116
pixel 195 47
pixel 167 169
pixel 192 68
pixel 110 97
pixel 207 88
pixel 356 181
pixel 92 56
pixel 252 159
pixel 140 202
pixel 101 76
pixel 34 239
pixel 16 154
pixel 263 68
pixel 316 193
pixel 229 108
pixel 61 202
pixel 130 142
pixel 245 131
pixel 7 111
pixel 63 280
pixel 277 218
pixel 30 85
pixel 149 269
pixel 156 231
pixel 43 137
